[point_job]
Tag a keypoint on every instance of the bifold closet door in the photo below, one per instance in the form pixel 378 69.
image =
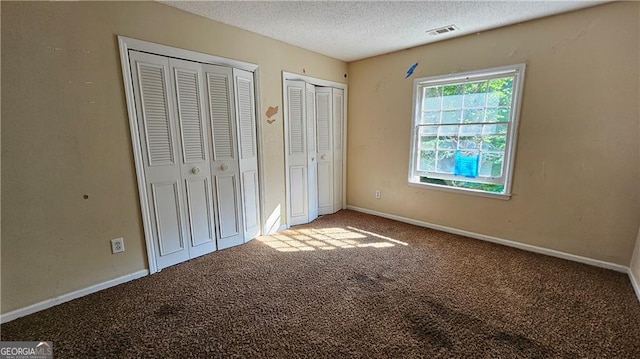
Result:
pixel 224 160
pixel 168 95
pixel 296 152
pixel 312 153
pixel 248 152
pixel 188 89
pixel 324 137
pixel 314 144
pixel 338 131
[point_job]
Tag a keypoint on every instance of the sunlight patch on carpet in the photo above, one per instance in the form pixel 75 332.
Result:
pixel 309 239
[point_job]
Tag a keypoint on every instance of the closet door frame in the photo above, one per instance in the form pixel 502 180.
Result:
pixel 125 44
pixel 322 83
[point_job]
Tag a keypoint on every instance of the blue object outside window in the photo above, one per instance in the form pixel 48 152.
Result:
pixel 466 165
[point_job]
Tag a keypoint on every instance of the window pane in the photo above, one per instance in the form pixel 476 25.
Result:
pixel 428 130
pixel 501 91
pixel 494 143
pixel 446 161
pixel 500 114
pixel 448 130
pixel 428 142
pixel 474 94
pixel 432 98
pixel 503 114
pixel 431 117
pixel 494 129
pixel 448 143
pixel 470 130
pixel 451 116
pixel 473 116
pixel 470 142
pixel 452 97
pixel 491 164
pixel 427 161
pixel 469 153
pixel 492 115
pixel 493 99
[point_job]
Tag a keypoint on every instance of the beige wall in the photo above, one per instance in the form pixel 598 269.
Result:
pixel 66 134
pixel 575 187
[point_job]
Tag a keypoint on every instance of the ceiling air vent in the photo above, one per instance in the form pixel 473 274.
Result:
pixel 442 30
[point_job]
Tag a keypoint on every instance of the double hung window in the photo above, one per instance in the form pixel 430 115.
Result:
pixel 465 128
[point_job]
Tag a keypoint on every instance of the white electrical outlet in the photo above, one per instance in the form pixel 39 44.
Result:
pixel 117 245
pixel 378 194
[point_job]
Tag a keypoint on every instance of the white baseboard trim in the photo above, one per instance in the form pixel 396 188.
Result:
pixel 70 296
pixel 635 283
pixel 526 247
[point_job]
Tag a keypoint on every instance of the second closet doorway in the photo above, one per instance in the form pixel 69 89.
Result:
pixel 315 126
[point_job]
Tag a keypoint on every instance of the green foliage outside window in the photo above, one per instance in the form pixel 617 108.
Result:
pixel 495 188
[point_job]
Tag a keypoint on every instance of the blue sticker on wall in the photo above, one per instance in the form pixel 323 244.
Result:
pixel 466 165
pixel 411 70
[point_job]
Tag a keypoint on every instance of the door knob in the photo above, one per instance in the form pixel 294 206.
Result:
pixel 224 167
pixel 195 170
pixel 323 157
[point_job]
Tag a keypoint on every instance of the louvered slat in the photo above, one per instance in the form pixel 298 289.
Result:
pixel 245 118
pixel 190 116
pixel 323 118
pixel 156 119
pixel 311 136
pixel 220 116
pixel 337 113
pixel 296 140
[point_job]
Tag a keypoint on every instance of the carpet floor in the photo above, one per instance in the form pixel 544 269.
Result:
pixel 352 285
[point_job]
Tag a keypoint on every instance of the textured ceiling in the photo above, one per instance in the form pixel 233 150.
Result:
pixel 353 30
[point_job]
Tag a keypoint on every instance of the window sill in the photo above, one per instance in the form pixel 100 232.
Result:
pixel 459 190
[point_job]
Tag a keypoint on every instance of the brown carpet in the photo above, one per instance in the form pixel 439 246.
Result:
pixel 339 288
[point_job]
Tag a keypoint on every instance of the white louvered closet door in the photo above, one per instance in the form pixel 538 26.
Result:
pixel 157 130
pixel 324 131
pixel 296 152
pixel 312 152
pixel 338 130
pixel 190 111
pixel 224 159
pixel 248 150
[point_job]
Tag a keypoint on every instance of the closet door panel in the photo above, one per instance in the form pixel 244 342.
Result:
pixel 190 117
pixel 296 151
pixel 338 143
pixel 226 188
pixel 251 199
pixel 200 214
pixel 188 85
pixel 166 201
pixel 325 187
pixel 324 130
pixel 312 153
pixel 225 161
pixel 298 193
pixel 248 161
pixel 160 151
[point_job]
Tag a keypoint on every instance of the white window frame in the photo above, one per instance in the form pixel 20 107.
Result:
pixel 517 71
